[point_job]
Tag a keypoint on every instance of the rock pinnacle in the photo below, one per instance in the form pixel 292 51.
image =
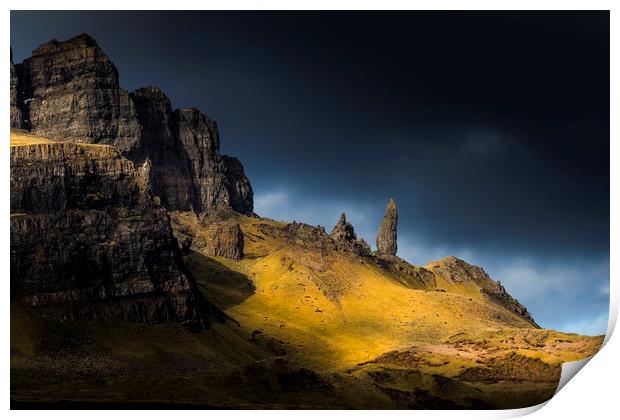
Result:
pixel 386 238
pixel 343 231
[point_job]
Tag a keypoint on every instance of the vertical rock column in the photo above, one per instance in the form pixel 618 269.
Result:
pixel 386 238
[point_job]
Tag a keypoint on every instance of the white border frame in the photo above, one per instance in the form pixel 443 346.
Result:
pixel 594 393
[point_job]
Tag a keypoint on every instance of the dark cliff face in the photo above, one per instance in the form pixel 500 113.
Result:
pixel 90 232
pixel 240 193
pixel 70 91
pixel 88 240
pixel 170 176
pixel 199 138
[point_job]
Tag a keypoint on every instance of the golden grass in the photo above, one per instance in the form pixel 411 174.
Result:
pixel 24 138
pixel 293 302
pixel 20 137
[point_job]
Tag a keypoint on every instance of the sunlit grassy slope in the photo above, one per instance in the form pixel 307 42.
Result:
pixel 23 138
pixel 335 310
pixel 425 347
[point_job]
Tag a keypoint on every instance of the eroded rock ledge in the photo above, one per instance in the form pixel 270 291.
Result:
pixel 70 91
pixel 88 240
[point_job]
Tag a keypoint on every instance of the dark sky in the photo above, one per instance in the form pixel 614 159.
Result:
pixel 491 130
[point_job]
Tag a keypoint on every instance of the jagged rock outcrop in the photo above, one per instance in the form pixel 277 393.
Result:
pixel 343 231
pixel 343 234
pixel 386 237
pixel 301 234
pixel 218 181
pixel 457 271
pixel 307 235
pixel 222 239
pixel 342 237
pixel 88 240
pixel 70 91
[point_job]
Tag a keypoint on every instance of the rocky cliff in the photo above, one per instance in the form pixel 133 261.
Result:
pixel 70 91
pixel 88 240
pixel 97 172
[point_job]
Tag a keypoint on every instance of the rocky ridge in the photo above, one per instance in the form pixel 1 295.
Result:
pixel 70 91
pixel 344 235
pixel 458 272
pixel 498 294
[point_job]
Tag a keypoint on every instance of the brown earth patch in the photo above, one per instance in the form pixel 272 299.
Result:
pixel 513 367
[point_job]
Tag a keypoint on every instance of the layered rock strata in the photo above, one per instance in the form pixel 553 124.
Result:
pixel 88 240
pixel 70 91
